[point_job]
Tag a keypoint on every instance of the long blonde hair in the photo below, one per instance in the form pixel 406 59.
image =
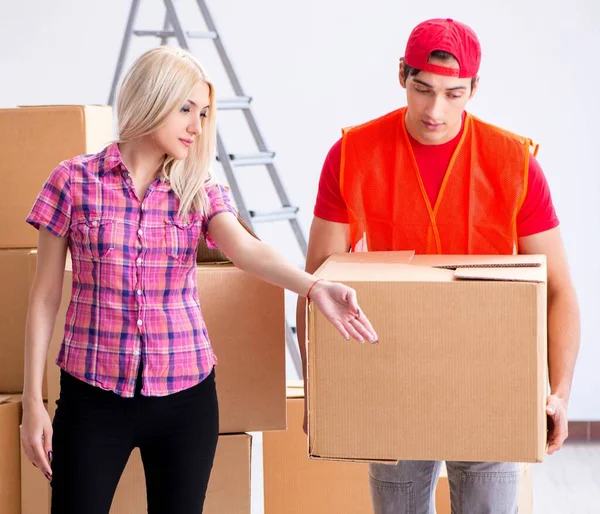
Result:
pixel 157 83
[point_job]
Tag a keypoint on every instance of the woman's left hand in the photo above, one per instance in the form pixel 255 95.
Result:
pixel 338 304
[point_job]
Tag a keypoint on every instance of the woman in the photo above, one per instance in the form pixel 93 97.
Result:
pixel 136 361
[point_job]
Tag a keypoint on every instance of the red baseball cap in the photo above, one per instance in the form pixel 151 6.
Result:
pixel 449 36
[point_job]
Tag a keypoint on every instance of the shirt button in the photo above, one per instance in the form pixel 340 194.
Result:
pixel 139 322
pixel 139 260
pixel 136 352
pixel 140 232
pixel 139 292
pixel 94 223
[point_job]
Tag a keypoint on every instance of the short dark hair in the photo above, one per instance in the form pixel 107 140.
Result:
pixel 409 71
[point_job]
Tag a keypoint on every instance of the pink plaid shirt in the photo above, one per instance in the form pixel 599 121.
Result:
pixel 134 296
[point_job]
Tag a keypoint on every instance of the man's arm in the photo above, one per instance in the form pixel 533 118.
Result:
pixel 563 328
pixel 326 238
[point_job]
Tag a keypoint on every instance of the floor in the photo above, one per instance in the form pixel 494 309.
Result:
pixel 566 483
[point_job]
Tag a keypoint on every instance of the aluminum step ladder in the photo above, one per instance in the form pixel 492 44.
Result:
pixel 173 29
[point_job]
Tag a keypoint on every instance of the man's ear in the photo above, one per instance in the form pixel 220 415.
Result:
pixel 474 88
pixel 401 68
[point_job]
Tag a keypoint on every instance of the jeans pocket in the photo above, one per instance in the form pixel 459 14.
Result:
pixel 392 498
pixel 489 492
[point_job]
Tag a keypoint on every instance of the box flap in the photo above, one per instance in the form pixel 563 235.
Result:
pixel 510 274
pixel 382 272
pixel 479 261
pixel 402 257
pixel 5 398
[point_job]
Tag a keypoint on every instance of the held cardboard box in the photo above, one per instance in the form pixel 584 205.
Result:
pixel 17 269
pixel 295 484
pixel 10 457
pixel 246 326
pixel 228 488
pixel 33 141
pixel 460 369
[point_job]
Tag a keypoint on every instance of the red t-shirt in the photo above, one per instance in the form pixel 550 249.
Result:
pixel 537 213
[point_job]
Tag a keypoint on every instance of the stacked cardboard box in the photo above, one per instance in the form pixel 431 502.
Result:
pixel 248 336
pixel 10 463
pixel 33 140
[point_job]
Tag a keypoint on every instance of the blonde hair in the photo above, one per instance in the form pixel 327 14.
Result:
pixel 157 83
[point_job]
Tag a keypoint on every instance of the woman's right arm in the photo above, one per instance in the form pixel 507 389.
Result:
pixel 44 301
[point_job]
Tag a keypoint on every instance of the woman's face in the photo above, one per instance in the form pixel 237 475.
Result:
pixel 184 125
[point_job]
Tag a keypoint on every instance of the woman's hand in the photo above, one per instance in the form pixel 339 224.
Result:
pixel 338 304
pixel 36 437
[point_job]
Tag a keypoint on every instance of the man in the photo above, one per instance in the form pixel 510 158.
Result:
pixel 432 178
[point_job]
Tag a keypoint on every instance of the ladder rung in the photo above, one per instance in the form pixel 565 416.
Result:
pixel 230 104
pixel 171 33
pixel 251 159
pixel 285 213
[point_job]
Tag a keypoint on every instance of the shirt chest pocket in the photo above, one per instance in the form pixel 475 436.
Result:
pixel 182 238
pixel 93 236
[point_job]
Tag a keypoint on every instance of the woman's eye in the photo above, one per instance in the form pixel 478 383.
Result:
pixel 185 108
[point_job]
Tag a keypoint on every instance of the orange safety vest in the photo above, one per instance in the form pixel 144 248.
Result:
pixel 477 205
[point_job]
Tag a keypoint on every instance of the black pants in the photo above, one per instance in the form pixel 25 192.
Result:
pixel 96 430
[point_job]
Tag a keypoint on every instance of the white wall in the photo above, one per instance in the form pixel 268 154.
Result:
pixel 317 65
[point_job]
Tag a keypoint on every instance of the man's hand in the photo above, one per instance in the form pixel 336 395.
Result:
pixel 558 427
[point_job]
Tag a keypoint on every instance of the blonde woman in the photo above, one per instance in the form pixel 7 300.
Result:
pixel 136 361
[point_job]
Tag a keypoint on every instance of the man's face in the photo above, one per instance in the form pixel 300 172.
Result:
pixel 435 103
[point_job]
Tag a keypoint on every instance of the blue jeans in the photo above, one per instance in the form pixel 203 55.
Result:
pixel 475 487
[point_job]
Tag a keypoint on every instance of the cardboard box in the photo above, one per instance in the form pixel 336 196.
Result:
pixel 246 326
pixel 17 269
pixel 33 141
pixel 459 373
pixel 295 484
pixel 10 461
pixel 228 488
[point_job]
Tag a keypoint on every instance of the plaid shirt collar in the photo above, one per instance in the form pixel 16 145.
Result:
pixel 111 160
